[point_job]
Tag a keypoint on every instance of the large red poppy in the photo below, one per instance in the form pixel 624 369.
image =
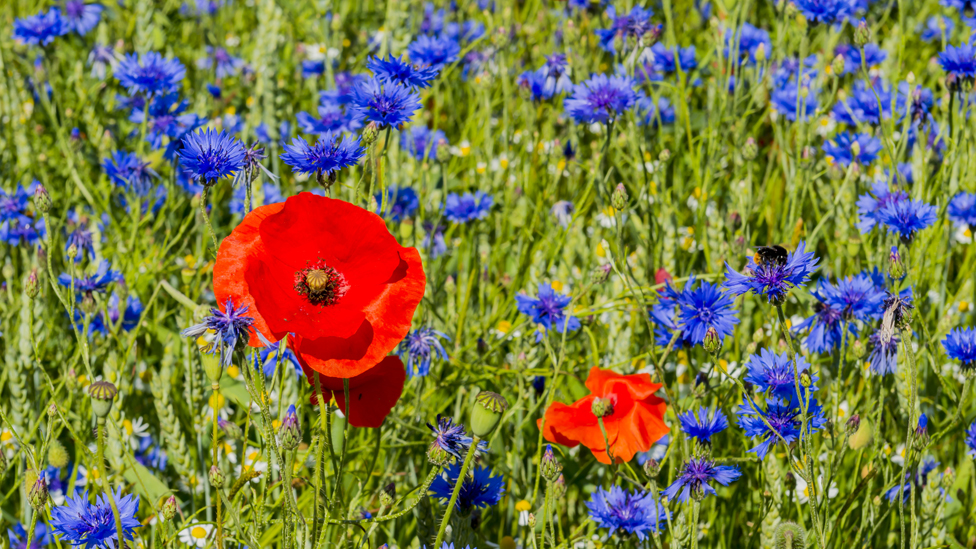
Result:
pixel 326 271
pixel 372 394
pixel 636 422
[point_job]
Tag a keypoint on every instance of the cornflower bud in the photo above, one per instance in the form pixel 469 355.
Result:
pixel 370 133
pixel 37 495
pixel 216 477
pixel 168 510
pixel 290 432
pixel 550 466
pixel 862 34
pixel 619 197
pixel 837 66
pixel 42 200
pixel 712 342
pixel 30 285
pixel 853 424
pixel 750 150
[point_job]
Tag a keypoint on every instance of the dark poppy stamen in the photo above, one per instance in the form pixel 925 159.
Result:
pixel 321 284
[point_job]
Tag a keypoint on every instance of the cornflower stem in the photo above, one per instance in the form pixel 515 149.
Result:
pixel 30 529
pixel 204 194
pixel 545 512
pixel 960 406
pixel 462 475
pixel 695 508
pixel 103 469
pixel 215 387
pixel 906 341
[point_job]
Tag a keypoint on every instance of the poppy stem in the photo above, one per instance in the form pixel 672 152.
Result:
pixel 606 441
pixel 103 473
pixel 462 475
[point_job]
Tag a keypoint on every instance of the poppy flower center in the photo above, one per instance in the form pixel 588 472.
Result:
pixel 321 284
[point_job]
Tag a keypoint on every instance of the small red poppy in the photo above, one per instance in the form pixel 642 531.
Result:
pixel 326 271
pixel 372 394
pixel 635 420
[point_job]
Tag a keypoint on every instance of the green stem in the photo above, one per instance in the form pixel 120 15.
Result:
pixel 462 475
pixel 695 507
pixel 206 216
pixel 103 469
pixel 220 524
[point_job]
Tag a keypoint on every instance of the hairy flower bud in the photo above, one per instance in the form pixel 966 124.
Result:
pixel 370 133
pixel 862 34
pixel 487 413
pixel 712 342
pixel 388 495
pixel 896 268
pixel 169 507
pixel 37 494
pixel 30 285
pixel 42 200
pixel 858 349
pixel 790 535
pixel 652 468
pixel 619 197
pixel 290 432
pixel 102 395
pixel 550 466
pixel 664 156
pixel 216 477
pixel 750 150
pixel 853 424
pixel 837 66
pixel 231 429
pixel 57 456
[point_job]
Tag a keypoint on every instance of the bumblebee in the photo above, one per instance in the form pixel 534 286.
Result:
pixel 770 255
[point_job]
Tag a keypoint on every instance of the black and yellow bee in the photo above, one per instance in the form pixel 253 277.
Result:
pixel 770 255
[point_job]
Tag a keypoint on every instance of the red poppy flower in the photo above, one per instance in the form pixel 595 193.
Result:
pixel 372 394
pixel 634 424
pixel 326 271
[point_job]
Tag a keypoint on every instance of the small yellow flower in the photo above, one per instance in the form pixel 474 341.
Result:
pixel 503 161
pixel 465 147
pixel 600 250
pixel 481 167
pixel 561 165
pixel 557 285
pixel 504 326
pixel 523 505
pixel 346 43
pixel 724 365
pixel 233 371
pixel 250 101
pixel 963 306
pixel 190 260
pixel 231 111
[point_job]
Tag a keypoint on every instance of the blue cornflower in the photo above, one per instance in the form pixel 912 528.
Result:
pixel 698 309
pixel 420 142
pixel 786 97
pixel 962 210
pixel 150 73
pixel 839 150
pixel 81 17
pixel 335 114
pixel 666 61
pixel 451 438
pixel 862 105
pixel 93 524
pixel 601 98
pixel 651 114
pixel 971 439
pixel 222 330
pixel 270 194
pixel 328 155
pixel 226 64
pixel 250 168
pixel 907 217
pixel 826 329
pixel 151 455
pixel 311 68
pixel 704 425
pixel 128 171
pixel 959 61
pixel 434 51
pixel 387 104
pixel 632 25
pixel 635 513
pixel 167 118
pixel 774 373
pixel 41 29
pixel 773 279
pixel 130 317
pixel 873 56
pixel 782 416
pixel 14 204
pixel 22 230
pixel 826 11
pixel 401 203
pixel 960 344
pixel 749 39
pixel 81 239
pixel 856 297
pixel 870 205
pixel 434 240
pixel 100 58
pixel 694 477
pixel 535 82
pixel 210 155
pixel 97 282
pixel 420 347
pixel 556 73
pixel 398 71
pixel 267 360
pixel 934 27
pixel 18 535
pixel 920 479
pixel 479 489
pixel 548 310
pixel 467 207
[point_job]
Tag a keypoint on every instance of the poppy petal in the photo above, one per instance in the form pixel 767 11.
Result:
pixel 372 394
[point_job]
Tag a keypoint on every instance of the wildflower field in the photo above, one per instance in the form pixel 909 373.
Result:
pixel 529 274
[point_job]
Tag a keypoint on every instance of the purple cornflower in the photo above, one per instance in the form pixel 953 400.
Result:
pixel 335 114
pixel 97 282
pixel 128 171
pixel 150 73
pixel 773 279
pixel 41 29
pixel 651 114
pixel 267 360
pixel 81 17
pixel 704 425
pixel 666 61
pixel 919 478
pixel 960 344
pixel 637 513
pixel 479 489
pixel 959 61
pixel 873 56
pixel 749 40
pixel 934 28
pixel 826 329
pixel 130 316
pixel 18 535
pixel 962 210
pixel 548 80
pixel 225 63
pixel 786 97
pixel 548 310
pixel 774 373
pixel 467 207
pixel 694 477
pixel 401 203
pixel 81 239
pixel 398 71
pixel 387 104
pixel 907 217
pixel 312 68
pixel 698 310
pixel 601 99
pixel 222 330
pixel 167 118
pixel 253 156
pixel 866 104
pixel 884 355
pixel 782 416
pixel 210 155
pixel 856 297
pixel 434 51
pixel 328 155
pixel 826 11
pixel 434 240
pixel 451 438
pixel 100 59
pixel 632 26
pixel 841 149
pixel 421 143
pixel 870 205
pixel 420 347
pixel 89 525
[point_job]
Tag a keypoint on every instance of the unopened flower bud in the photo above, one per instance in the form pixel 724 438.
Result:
pixel 837 66
pixel 652 468
pixel 896 267
pixel 57 456
pixel 290 432
pixel 664 156
pixel 790 481
pixel 370 133
pixel 216 477
pixel 231 429
pixel 437 455
pixel 750 150
pixel 858 349
pixel 760 54
pixel 921 433
pixel 531 521
pixel 712 342
pixel 862 34
pixel 855 150
pixel 805 379
pixel 443 151
pixel 602 273
pixel 853 424
pixel 601 407
pixel 42 200
pixel 102 395
pixel 37 493
pixel 619 197
pixel 168 510
pixel 30 285
pixel 487 412
pixel 550 466
pixel 757 336
pixel 71 252
pixel 388 495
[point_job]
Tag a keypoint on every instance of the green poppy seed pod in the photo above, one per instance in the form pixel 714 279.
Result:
pixel 652 468
pixel 30 285
pixel 550 466
pixel 370 133
pixel 601 407
pixel 168 510
pixel 858 349
pixel 619 197
pixel 37 495
pixel 216 477
pixel 42 200
pixel 290 432
pixel 712 342
pixel 837 66
pixel 750 150
pixel 57 456
pixel 487 413
pixel 790 535
pixel 102 395
pixel 664 156
pixel 862 34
